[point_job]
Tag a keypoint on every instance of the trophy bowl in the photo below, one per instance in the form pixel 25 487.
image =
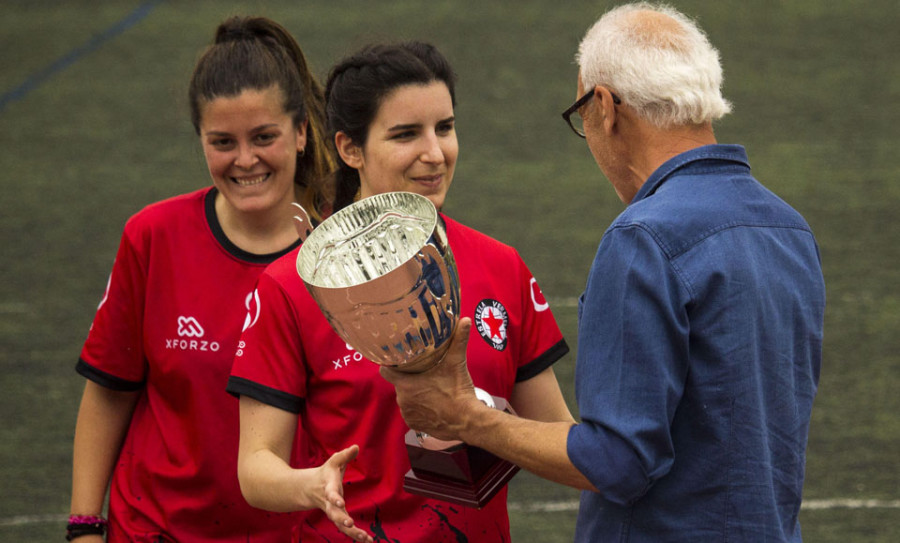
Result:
pixel 384 276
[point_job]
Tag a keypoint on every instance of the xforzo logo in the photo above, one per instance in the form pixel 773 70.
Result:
pixel 188 327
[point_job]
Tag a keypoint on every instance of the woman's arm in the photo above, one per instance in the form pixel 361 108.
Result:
pixel 267 479
pixel 103 419
pixel 540 398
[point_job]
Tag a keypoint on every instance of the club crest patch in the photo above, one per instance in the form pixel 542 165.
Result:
pixel 491 321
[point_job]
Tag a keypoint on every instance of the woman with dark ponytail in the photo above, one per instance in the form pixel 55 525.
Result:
pixel 155 427
pixel 390 110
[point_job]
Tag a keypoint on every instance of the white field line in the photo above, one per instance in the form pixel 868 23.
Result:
pixel 568 302
pixel 811 505
pixel 32 519
pixel 538 507
pixel 839 503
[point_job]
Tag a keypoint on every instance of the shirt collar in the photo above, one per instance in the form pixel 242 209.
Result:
pixel 729 153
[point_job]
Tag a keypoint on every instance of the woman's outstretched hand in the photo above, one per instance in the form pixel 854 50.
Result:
pixel 331 475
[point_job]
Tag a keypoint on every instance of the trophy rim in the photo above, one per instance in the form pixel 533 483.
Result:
pixel 314 242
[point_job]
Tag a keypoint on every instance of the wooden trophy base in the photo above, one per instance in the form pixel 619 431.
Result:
pixel 460 473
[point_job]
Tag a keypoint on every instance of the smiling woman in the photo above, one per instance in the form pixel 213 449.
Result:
pixel 251 146
pixel 154 417
pixel 411 144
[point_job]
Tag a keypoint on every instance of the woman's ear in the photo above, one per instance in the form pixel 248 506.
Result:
pixel 350 152
pixel 302 136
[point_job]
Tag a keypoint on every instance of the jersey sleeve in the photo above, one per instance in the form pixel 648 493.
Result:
pixel 268 364
pixel 542 343
pixel 113 354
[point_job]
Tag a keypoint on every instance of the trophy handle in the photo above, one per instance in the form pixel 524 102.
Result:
pixel 302 222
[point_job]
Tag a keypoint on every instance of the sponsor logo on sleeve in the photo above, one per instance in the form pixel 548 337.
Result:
pixel 105 297
pixel 537 297
pixel 252 305
pixel 105 293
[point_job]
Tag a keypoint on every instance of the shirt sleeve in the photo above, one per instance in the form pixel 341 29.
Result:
pixel 113 354
pixel 268 364
pixel 632 364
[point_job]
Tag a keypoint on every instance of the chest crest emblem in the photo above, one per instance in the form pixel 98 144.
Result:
pixel 491 321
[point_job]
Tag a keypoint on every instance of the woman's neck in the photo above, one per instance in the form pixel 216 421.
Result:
pixel 261 233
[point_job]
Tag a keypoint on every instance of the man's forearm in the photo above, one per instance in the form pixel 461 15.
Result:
pixel 539 447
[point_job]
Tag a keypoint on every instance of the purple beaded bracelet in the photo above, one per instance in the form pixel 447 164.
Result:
pixel 80 525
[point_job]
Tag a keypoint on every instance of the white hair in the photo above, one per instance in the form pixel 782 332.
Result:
pixel 663 67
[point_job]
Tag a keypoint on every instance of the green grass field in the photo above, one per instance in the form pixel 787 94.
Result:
pixel 94 125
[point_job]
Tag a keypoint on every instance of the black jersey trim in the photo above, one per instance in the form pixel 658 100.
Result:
pixel 542 362
pixel 107 380
pixel 234 250
pixel 238 386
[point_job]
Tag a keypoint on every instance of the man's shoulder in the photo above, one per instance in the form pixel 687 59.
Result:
pixel 692 207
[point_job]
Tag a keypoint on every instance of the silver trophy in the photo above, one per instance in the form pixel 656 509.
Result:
pixel 384 276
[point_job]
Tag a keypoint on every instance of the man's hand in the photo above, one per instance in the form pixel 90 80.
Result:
pixel 439 400
pixel 442 403
pixel 332 498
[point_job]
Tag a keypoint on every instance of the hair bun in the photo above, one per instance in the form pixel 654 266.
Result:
pixel 235 32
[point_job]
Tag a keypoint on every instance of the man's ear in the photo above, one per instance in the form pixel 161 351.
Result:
pixel 606 106
pixel 350 152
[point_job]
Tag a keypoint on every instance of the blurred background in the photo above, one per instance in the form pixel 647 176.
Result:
pixel 94 125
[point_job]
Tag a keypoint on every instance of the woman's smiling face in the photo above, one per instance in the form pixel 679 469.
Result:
pixel 411 144
pixel 251 147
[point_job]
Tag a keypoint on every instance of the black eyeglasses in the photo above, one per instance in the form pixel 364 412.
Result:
pixel 567 114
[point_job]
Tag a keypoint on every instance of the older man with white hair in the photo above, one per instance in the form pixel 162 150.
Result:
pixel 700 327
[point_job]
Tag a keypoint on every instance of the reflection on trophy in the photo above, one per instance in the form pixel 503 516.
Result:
pixel 384 276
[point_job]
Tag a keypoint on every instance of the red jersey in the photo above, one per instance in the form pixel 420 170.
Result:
pixel 168 326
pixel 290 358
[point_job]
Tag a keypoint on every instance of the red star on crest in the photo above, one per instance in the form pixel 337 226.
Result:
pixel 493 323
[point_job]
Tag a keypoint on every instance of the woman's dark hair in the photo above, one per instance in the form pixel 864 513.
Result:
pixel 358 84
pixel 257 53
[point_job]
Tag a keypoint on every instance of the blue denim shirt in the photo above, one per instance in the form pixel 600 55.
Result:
pixel 699 348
